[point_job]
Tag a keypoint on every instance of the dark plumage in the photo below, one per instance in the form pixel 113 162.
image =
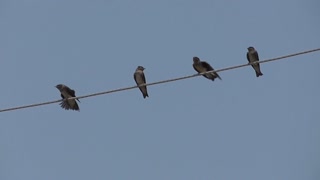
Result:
pixel 66 93
pixel 202 66
pixel 252 56
pixel 140 79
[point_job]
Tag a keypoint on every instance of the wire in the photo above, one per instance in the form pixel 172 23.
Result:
pixel 160 82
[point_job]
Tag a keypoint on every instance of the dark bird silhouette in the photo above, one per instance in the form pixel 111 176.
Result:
pixel 202 66
pixel 252 56
pixel 66 93
pixel 140 79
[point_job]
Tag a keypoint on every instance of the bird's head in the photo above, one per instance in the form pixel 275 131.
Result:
pixel 196 59
pixel 59 86
pixel 250 48
pixel 140 68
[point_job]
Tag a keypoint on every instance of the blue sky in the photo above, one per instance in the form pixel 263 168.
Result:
pixel 242 127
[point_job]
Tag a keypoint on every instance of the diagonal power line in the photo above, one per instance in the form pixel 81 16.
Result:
pixel 161 82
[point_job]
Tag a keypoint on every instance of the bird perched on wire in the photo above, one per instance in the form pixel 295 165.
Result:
pixel 140 79
pixel 202 66
pixel 252 56
pixel 66 93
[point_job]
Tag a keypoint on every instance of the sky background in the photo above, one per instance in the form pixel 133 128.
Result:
pixel 242 127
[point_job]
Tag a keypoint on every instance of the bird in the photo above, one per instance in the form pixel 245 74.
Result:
pixel 140 79
pixel 66 92
pixel 252 56
pixel 202 66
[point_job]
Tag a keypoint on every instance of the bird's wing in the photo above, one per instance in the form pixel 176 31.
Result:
pixel 135 77
pixel 206 66
pixel 248 57
pixel 256 56
pixel 143 78
pixel 71 92
pixel 218 76
pixel 209 68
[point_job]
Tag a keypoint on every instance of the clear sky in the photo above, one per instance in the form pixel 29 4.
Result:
pixel 242 127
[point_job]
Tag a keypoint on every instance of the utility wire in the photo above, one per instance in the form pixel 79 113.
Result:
pixel 160 82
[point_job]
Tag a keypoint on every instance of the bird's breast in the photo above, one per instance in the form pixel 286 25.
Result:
pixel 200 68
pixel 252 57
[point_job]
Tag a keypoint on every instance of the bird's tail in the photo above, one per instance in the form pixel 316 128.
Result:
pixel 65 105
pixel 76 106
pixel 217 75
pixel 258 73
